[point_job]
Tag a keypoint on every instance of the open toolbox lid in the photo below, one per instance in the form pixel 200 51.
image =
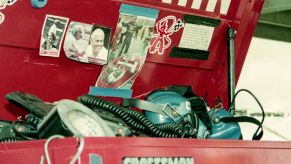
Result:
pixel 52 79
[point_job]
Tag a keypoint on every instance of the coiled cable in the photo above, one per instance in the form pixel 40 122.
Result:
pixel 21 129
pixel 131 117
pixel 131 122
pixel 32 120
pixel 8 139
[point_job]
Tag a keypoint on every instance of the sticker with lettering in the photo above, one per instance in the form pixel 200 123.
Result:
pixel 3 4
pixel 222 6
pixel 164 29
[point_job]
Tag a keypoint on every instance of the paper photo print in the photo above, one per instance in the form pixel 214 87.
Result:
pixel 120 72
pixel 132 35
pixel 87 43
pixel 52 35
pixel 128 51
pixel 129 46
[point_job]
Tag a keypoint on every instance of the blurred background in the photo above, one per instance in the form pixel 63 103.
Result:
pixel 267 73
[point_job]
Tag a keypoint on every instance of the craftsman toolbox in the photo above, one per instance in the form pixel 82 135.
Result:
pixel 196 43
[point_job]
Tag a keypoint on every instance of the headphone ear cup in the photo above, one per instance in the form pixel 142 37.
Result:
pixel 154 94
pixel 167 98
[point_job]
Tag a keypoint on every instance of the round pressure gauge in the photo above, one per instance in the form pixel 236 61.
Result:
pixel 70 118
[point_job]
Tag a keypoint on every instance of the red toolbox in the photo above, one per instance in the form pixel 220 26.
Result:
pixel 53 79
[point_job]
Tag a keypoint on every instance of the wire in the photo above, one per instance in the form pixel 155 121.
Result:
pixel 261 107
pixel 79 151
pixel 218 103
pixel 130 117
pixel 74 159
pixel 46 153
pixel 32 120
pixel 25 133
pixel 8 139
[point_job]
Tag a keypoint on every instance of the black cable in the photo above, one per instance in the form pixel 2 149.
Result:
pixel 8 139
pixel 123 113
pixel 130 116
pixel 261 107
pixel 217 101
pixel 195 122
pixel 25 133
pixel 131 122
pixel 137 120
pixel 32 120
pixel 199 108
pixel 171 128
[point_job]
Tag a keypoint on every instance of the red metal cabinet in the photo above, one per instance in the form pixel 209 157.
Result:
pixel 55 78
pixel 130 150
pixel 52 79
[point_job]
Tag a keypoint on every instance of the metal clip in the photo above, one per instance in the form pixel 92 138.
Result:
pixel 170 111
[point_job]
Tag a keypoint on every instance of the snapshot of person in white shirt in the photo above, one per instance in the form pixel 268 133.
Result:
pixel 72 38
pixel 71 47
pixel 52 38
pixel 96 52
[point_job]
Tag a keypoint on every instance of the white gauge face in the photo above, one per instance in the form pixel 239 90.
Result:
pixel 85 124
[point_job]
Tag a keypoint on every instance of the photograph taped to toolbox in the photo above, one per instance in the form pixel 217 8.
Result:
pixel 129 47
pixel 52 35
pixel 87 43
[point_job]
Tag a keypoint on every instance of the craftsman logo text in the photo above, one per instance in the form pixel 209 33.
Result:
pixel 158 160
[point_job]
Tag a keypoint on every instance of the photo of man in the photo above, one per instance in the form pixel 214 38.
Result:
pixel 133 32
pixel 77 40
pixel 96 48
pixel 52 38
pixel 52 35
pixel 71 41
pixel 87 43
pixel 132 29
pixel 128 47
